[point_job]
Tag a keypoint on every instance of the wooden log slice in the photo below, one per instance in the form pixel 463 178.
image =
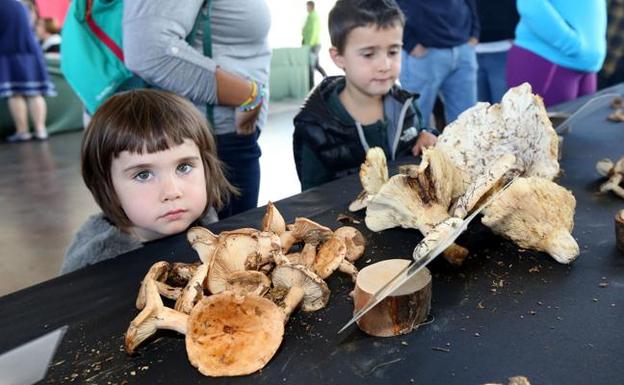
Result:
pixel 398 313
pixel 619 230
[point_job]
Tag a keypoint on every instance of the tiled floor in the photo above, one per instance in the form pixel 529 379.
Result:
pixel 43 200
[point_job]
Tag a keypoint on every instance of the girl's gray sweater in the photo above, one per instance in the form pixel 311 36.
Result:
pixel 98 240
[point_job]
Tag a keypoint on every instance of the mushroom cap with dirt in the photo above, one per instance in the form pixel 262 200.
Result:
pixel 232 335
pixel 354 240
pixel 329 256
pixel 314 293
pixel 537 214
pixel 518 125
pixel 239 251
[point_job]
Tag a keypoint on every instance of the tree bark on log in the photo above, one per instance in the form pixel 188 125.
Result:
pixel 619 230
pixel 398 313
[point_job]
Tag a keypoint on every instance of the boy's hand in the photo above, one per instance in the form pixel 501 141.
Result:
pixel 425 140
pixel 245 121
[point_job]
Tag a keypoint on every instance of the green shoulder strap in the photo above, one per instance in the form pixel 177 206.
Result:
pixel 207 45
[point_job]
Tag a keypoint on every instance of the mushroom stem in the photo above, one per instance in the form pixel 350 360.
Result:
pixel 348 268
pixel 308 254
pixel 292 300
pixel 157 272
pixel 172 320
pixel 154 316
pixel 193 292
pixel 287 240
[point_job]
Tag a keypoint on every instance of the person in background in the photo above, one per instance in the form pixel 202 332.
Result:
pixel 346 115
pixel 498 20
pixel 223 69
pixel 439 54
pixel 24 79
pixel 612 71
pixel 559 47
pixel 47 30
pixel 150 161
pixel 311 36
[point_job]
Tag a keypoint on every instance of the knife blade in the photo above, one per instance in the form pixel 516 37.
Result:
pixel 28 363
pixel 458 227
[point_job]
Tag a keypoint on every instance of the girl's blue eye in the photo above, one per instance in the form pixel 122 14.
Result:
pixel 143 175
pixel 185 168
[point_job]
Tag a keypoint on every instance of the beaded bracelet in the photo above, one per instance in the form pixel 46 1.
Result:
pixel 257 100
pixel 252 94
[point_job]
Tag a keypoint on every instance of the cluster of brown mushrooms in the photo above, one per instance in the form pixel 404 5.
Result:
pixel 479 153
pixel 233 304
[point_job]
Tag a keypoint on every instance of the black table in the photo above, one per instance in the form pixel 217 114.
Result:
pixel 504 312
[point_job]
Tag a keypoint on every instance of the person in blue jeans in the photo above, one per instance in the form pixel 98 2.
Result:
pixel 439 54
pixel 498 20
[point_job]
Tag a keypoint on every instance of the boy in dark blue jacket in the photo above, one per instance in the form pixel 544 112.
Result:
pixel 346 115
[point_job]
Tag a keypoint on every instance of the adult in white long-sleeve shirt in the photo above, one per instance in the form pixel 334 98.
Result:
pixel 217 55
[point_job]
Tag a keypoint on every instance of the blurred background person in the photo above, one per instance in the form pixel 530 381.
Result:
pixel 559 47
pixel 23 75
pixel 311 36
pixel 498 19
pixel 439 54
pixel 48 30
pixel 612 71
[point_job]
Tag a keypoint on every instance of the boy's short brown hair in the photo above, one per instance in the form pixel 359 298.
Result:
pixel 350 14
pixel 145 120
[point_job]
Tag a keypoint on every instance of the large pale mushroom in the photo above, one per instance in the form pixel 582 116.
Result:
pixel 418 201
pixel 483 184
pixel 536 214
pixel 518 125
pixel 231 335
